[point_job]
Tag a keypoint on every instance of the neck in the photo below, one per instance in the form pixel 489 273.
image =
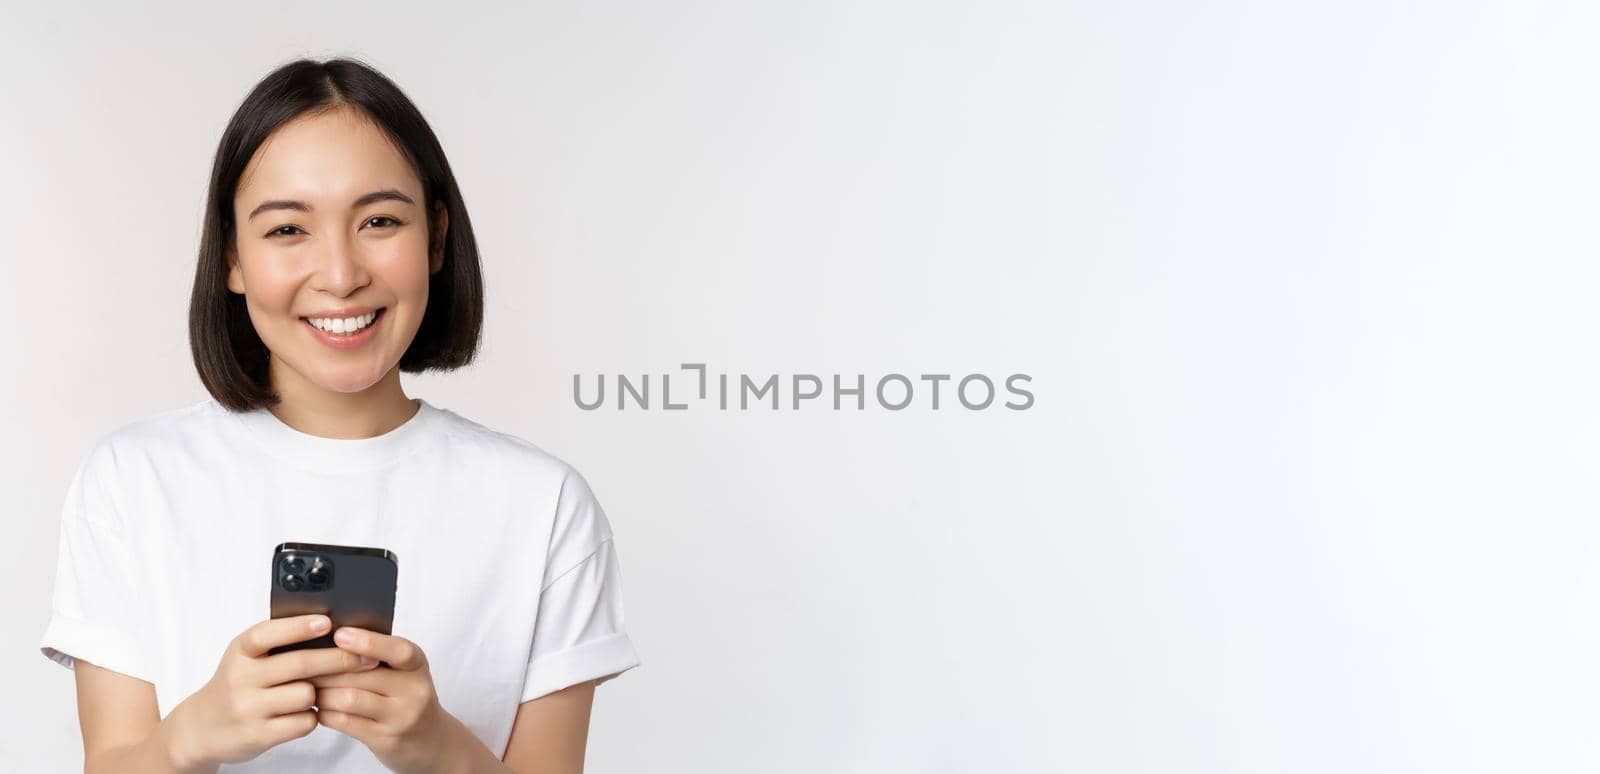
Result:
pixel 315 410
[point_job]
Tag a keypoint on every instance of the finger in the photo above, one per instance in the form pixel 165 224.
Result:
pixel 363 730
pixel 292 726
pixel 310 662
pixel 398 652
pixel 288 698
pixel 379 681
pixel 354 701
pixel 269 634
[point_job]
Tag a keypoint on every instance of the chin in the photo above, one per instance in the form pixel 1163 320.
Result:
pixel 347 384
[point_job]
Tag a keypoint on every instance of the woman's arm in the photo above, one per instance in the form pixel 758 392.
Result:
pixel 122 725
pixel 551 732
pixel 548 736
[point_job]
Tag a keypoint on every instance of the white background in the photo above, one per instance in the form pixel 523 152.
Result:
pixel 1305 290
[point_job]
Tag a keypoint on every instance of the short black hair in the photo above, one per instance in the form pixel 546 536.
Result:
pixel 230 356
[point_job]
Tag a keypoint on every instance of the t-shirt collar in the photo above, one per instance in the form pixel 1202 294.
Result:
pixel 340 454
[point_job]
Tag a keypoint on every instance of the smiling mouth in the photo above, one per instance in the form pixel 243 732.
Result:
pixel 347 326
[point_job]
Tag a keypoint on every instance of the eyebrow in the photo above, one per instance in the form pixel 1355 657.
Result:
pixel 389 194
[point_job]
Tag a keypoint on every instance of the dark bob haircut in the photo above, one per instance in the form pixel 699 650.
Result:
pixel 231 358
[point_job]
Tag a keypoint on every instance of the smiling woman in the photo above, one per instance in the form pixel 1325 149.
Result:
pixel 337 253
pixel 352 197
pixel 333 231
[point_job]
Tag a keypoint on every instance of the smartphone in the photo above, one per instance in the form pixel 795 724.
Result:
pixel 353 585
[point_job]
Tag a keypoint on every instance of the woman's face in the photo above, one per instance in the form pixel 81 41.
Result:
pixel 330 230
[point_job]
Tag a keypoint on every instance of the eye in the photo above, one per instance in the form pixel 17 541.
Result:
pixel 392 221
pixel 279 231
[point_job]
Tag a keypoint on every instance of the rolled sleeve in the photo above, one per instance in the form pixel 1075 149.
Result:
pixel 579 633
pixel 94 613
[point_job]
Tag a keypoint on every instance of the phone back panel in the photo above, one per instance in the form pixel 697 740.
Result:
pixel 356 587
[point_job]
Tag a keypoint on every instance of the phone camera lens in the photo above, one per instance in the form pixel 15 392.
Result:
pixel 292 582
pixel 317 576
pixel 295 564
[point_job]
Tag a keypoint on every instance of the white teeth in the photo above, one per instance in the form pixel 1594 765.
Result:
pixel 344 325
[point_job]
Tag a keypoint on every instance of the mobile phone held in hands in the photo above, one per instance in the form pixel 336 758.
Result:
pixel 352 585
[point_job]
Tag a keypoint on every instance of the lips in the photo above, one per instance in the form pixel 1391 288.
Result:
pixel 339 314
pixel 347 340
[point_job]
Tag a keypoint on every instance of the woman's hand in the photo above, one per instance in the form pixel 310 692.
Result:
pixel 255 701
pixel 394 711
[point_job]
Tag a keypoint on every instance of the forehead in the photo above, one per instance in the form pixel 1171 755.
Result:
pixel 333 156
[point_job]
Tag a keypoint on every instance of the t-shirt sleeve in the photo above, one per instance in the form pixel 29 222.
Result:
pixel 579 633
pixel 94 613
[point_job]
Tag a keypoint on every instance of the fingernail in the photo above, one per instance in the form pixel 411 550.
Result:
pixel 320 624
pixel 367 661
pixel 345 637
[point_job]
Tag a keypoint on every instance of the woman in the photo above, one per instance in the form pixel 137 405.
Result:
pixel 336 253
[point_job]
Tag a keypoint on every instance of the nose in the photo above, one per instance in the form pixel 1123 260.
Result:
pixel 341 268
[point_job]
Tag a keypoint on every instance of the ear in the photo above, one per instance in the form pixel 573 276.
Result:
pixel 235 275
pixel 441 226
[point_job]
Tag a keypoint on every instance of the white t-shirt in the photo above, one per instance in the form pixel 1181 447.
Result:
pixel 508 579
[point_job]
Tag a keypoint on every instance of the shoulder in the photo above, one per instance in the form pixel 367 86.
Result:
pixel 471 442
pixel 166 435
pixel 131 457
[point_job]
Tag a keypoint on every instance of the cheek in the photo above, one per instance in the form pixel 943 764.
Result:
pixel 404 269
pixel 270 286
